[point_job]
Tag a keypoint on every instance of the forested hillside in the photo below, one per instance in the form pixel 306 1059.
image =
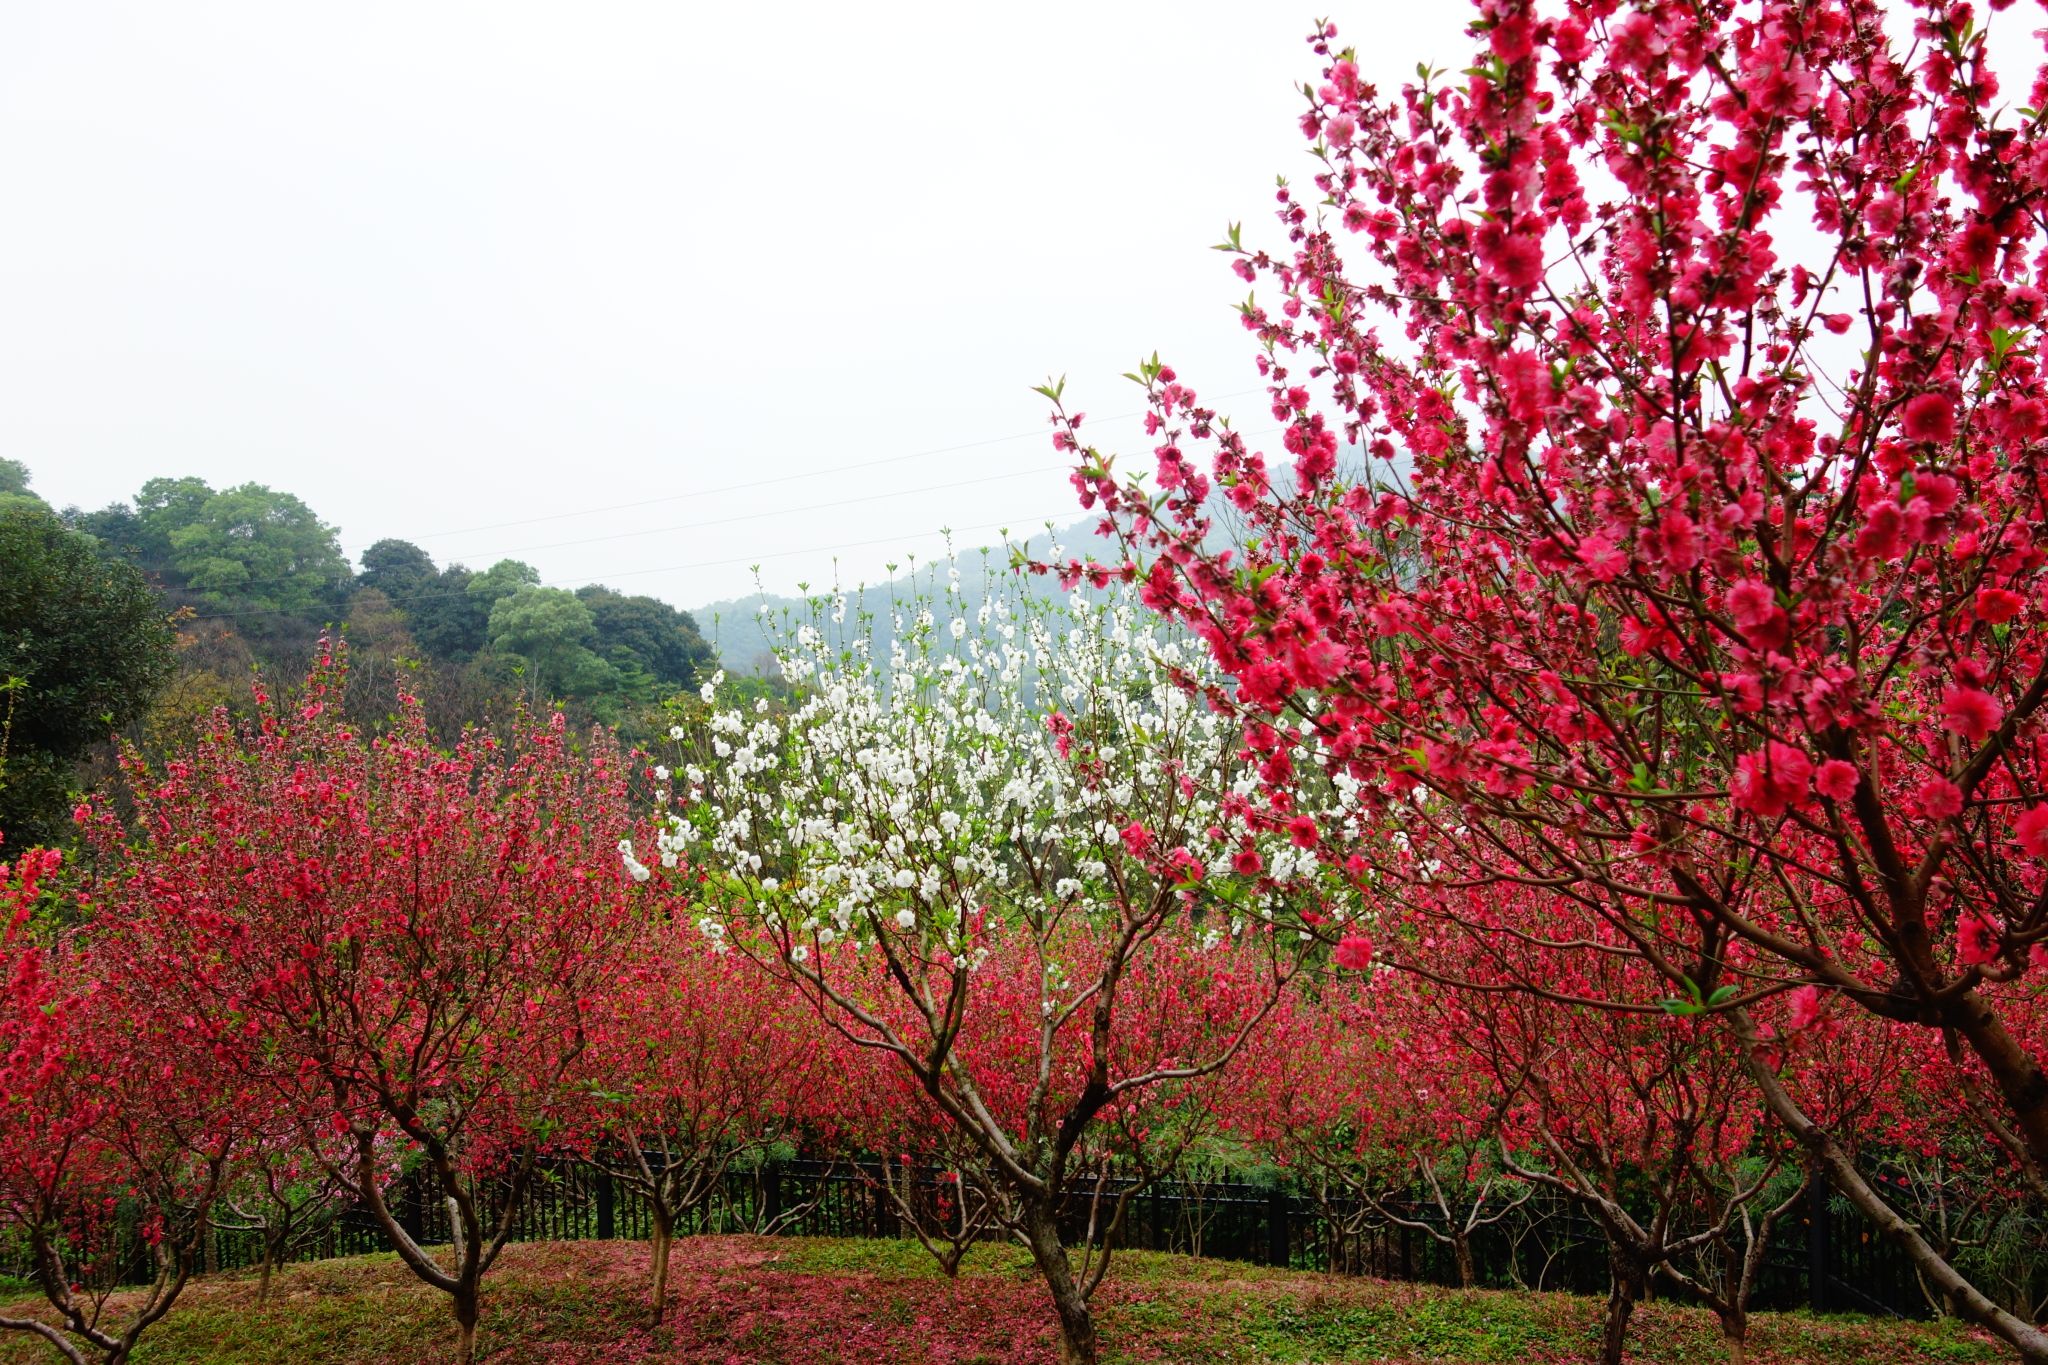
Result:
pixel 143 616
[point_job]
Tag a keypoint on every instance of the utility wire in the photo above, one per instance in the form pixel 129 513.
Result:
pixel 770 481
pixel 688 526
pixel 788 511
pixel 1047 520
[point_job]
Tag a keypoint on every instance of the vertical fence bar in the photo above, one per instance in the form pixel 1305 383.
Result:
pixel 606 1215
pixel 412 1208
pixel 1818 1250
pixel 1276 1227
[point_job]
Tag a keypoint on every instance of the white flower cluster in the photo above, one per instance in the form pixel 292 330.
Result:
pixel 991 769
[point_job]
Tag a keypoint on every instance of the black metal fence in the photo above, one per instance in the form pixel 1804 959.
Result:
pixel 1824 1255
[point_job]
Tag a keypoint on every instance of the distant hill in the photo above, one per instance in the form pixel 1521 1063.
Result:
pixel 744 635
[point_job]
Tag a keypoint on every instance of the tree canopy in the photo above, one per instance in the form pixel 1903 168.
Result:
pixel 89 645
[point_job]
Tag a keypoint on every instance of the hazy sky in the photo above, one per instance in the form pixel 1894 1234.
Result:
pixel 568 282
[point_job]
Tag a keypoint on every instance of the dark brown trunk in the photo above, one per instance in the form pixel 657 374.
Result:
pixel 1077 1322
pixel 1735 1335
pixel 1625 1287
pixel 1973 1305
pixel 662 1237
pixel 2013 1069
pixel 1468 1273
pixel 466 1307
pixel 263 1282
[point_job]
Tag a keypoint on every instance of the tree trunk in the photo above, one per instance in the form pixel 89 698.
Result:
pixel 466 1308
pixel 1624 1288
pixel 662 1237
pixel 1468 1273
pixel 1735 1336
pixel 263 1282
pixel 1077 1322
pixel 1974 1306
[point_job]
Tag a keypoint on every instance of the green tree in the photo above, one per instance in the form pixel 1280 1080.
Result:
pixel 646 635
pixel 256 548
pixel 400 570
pixel 551 632
pixel 14 489
pixel 450 623
pixel 502 579
pixel 91 646
pixel 162 508
pixel 117 528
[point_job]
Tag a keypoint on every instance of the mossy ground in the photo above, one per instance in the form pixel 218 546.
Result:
pixel 829 1302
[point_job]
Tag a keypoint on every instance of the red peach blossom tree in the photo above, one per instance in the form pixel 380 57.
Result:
pixel 402 943
pixel 115 1134
pixel 1687 563
pixel 699 1064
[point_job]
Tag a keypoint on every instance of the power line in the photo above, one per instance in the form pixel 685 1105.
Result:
pixel 1048 520
pixel 770 481
pixel 691 526
pixel 789 511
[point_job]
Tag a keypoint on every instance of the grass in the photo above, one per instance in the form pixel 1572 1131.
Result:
pixel 832 1302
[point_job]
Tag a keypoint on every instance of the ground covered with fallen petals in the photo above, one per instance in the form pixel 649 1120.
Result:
pixel 828 1302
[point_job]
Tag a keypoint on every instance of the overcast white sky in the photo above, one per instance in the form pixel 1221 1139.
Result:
pixel 436 267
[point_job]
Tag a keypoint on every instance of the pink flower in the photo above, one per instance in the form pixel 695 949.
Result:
pixel 1929 417
pixel 1137 839
pixel 1970 712
pixel 1940 491
pixel 1757 614
pixel 1802 1007
pixel 1767 783
pixel 1977 939
pixel 1304 831
pixel 1883 533
pixel 1524 383
pixel 1681 541
pixel 1246 862
pixel 1642 637
pixel 1514 259
pixel 1940 798
pixel 1998 605
pixel 2031 829
pixel 1354 952
pixel 1318 662
pixel 1836 780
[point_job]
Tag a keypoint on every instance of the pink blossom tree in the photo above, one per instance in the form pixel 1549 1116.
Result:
pixel 1660 520
pixel 402 944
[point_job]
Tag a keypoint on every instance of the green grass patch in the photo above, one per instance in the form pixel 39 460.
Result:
pixel 821 1301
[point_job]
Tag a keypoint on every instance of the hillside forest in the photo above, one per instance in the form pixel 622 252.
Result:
pixel 141 618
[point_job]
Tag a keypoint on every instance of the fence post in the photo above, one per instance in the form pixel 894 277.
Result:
pixel 412 1208
pixel 606 1217
pixel 1276 1227
pixel 1818 1238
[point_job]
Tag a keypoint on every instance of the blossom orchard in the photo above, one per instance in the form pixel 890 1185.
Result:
pixel 699 1066
pixel 114 1138
pixel 1695 571
pixel 1010 855
pixel 1382 1117
pixel 401 944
